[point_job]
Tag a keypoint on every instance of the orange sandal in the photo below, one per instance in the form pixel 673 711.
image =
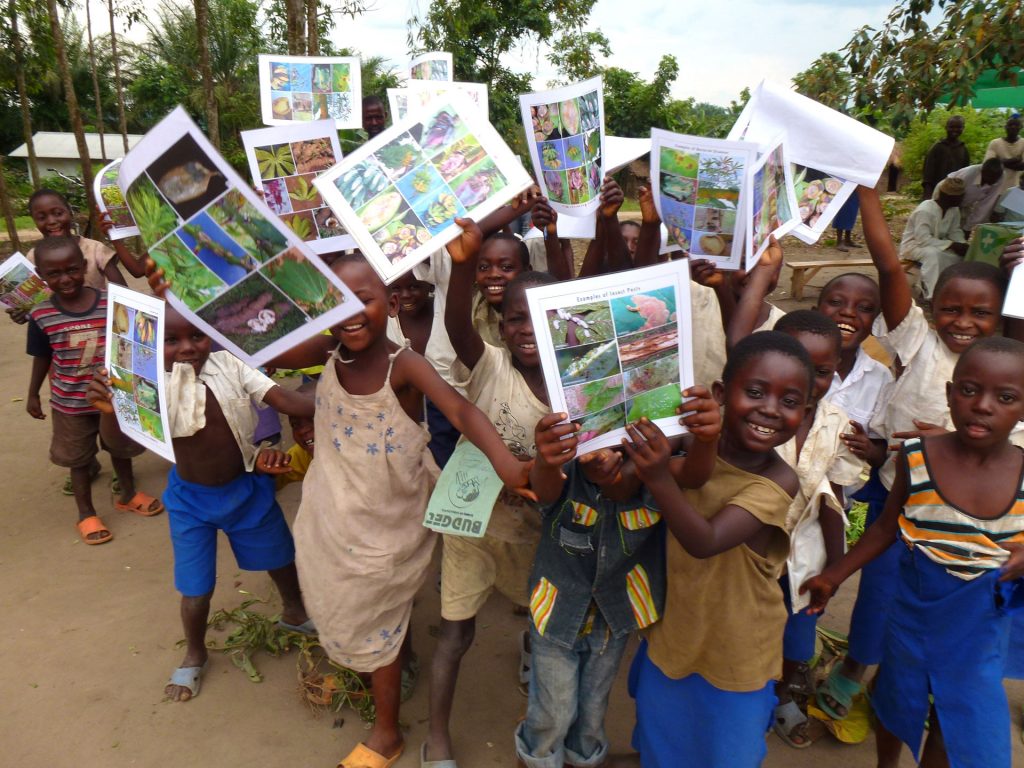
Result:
pixel 91 525
pixel 364 757
pixel 141 504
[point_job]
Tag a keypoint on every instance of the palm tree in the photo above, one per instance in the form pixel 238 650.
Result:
pixel 95 83
pixel 312 28
pixel 295 16
pixel 23 99
pixel 203 39
pixel 122 117
pixel 5 203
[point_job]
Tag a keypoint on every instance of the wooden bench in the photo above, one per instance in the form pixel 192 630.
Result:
pixel 803 271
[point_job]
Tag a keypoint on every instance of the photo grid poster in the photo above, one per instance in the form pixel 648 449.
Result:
pixel 399 194
pixel 134 361
pixel 419 93
pixel 111 201
pixel 773 203
pixel 436 65
pixel 565 133
pixel 283 162
pixel 241 274
pixel 616 348
pixel 307 88
pixel 21 288
pixel 703 193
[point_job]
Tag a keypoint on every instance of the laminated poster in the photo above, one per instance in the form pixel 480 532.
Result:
pixel 234 267
pixel 419 93
pixel 110 201
pixel 772 201
pixel 283 162
pixel 565 133
pixel 134 359
pixel 436 65
pixel 20 287
pixel 703 193
pixel 616 347
pixel 306 88
pixel 400 193
pixel 465 493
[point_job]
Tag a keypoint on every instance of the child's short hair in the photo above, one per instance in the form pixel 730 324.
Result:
pixel 524 252
pixel 762 343
pixel 809 321
pixel 844 276
pixel 46 192
pixel 522 281
pixel 1000 345
pixel 971 270
pixel 55 243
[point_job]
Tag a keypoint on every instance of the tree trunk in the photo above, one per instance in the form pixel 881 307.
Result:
pixel 295 19
pixel 5 203
pixel 312 29
pixel 122 118
pixel 73 111
pixel 26 107
pixel 95 83
pixel 203 37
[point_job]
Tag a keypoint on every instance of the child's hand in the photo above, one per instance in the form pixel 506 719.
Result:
pixel 705 272
pixel 545 217
pixel 772 257
pixel 20 316
pixel 821 590
pixel 526 200
pixel 924 429
pixel 702 414
pixel 466 246
pixel 99 394
pixel 862 446
pixel 106 223
pixel 602 467
pixel 611 197
pixel 649 450
pixel 552 449
pixel 648 211
pixel 157 282
pixel 271 461
pixel 34 407
pixel 1013 568
pixel 1012 255
pixel 515 474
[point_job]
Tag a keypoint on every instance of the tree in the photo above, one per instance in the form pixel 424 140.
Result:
pixel 23 97
pixel 827 80
pixel 95 82
pixel 122 116
pixel 203 42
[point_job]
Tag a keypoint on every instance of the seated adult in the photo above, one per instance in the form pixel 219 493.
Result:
pixel 933 236
pixel 983 184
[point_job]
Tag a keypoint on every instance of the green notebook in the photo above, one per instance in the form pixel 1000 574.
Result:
pixel 988 241
pixel 464 495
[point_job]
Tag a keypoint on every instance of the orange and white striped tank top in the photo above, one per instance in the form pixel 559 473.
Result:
pixel 966 546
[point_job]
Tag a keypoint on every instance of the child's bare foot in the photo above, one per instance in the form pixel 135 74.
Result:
pixel 185 680
pixel 388 746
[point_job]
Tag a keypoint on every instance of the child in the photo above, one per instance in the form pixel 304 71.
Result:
pixel 704 680
pixel 506 382
pixel 957 507
pixel 213 487
pixel 599 575
pixel 502 257
pixel 67 337
pixel 415 311
pixel 362 549
pixel 300 455
pixel 631 234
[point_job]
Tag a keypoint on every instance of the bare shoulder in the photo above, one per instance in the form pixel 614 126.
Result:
pixel 783 475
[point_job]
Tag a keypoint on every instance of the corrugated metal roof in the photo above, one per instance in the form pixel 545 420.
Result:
pixel 62 145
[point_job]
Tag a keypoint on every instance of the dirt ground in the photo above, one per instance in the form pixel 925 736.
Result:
pixel 91 632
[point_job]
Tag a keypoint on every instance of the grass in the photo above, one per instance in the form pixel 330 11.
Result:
pixel 24 222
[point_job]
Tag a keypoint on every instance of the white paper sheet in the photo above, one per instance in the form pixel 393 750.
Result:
pixel 21 287
pixel 703 193
pixel 436 65
pixel 134 360
pixel 400 193
pixel 621 151
pixel 419 93
pixel 565 133
pixel 1013 202
pixel 303 88
pixel 772 201
pixel 235 268
pixel 283 162
pixel 616 347
pixel 1013 305
pixel 579 227
pixel 110 201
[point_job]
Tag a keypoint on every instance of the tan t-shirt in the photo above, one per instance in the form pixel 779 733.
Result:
pixel 724 615
pixel 97 256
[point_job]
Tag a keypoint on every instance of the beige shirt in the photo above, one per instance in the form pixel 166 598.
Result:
pixel 928 227
pixel 708 336
pixel 724 615
pixel 97 256
pixel 774 315
pixel 1004 150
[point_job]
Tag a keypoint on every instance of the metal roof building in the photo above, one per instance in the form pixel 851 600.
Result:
pixel 58 151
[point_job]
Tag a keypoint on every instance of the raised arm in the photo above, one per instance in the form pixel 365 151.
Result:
pixel 558 250
pixel 502 217
pixel 291 402
pixel 892 282
pixel 593 260
pixel 648 244
pixel 313 351
pixel 616 251
pixel 703 417
pixel 748 308
pixel 135 265
pixel 458 311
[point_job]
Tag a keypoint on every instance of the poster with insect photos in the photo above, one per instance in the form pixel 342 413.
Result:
pixel 134 360
pixel 400 193
pixel 616 348
pixel 772 200
pixel 284 161
pixel 703 193
pixel 21 288
pixel 565 134
pixel 419 93
pixel 234 267
pixel 436 65
pixel 111 202
pixel 296 89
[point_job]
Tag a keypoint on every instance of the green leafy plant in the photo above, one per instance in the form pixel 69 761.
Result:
pixel 304 285
pixel 303 192
pixel 155 218
pixel 275 161
pixel 300 225
pixel 190 281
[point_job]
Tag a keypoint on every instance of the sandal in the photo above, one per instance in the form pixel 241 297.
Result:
pixel 91 525
pixel 840 689
pixel 188 678
pixel 424 763
pixel 364 757
pixel 141 504
pixel 790 721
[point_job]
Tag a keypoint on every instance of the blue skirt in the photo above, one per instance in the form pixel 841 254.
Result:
pixel 689 722
pixel 847 215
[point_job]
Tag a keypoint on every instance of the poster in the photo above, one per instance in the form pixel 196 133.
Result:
pixel 819 196
pixel 565 133
pixel 703 193
pixel 307 88
pixel 110 201
pixel 20 287
pixel 283 162
pixel 436 65
pixel 615 348
pixel 240 273
pixel 832 145
pixel 400 193
pixel 465 493
pixel 419 93
pixel 772 202
pixel 134 359
pixel 1013 306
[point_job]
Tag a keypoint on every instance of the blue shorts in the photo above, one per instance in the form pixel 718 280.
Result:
pixel 245 509
pixel 801 631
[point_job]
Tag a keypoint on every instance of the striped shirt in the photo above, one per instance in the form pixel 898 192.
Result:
pixel 966 546
pixel 75 344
